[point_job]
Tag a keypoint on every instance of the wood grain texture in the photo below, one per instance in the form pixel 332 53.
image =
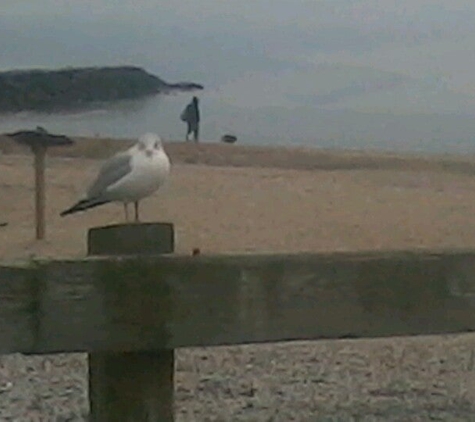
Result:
pixel 131 386
pixel 40 157
pixel 125 304
pixel 131 239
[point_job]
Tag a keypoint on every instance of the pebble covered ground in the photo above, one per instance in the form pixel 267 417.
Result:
pixel 401 379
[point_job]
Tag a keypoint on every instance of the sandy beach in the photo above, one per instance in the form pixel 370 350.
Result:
pixel 224 198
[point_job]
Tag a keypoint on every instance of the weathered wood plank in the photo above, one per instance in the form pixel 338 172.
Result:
pixel 19 306
pixel 131 239
pixel 148 303
pixel 131 386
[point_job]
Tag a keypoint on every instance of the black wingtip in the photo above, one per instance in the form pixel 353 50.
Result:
pixel 75 208
pixel 83 205
pixel 66 212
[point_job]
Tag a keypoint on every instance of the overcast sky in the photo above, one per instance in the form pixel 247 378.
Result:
pixel 211 38
pixel 259 59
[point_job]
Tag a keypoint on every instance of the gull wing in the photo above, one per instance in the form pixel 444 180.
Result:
pixel 114 169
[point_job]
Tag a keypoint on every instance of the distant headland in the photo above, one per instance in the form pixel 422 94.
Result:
pixel 79 88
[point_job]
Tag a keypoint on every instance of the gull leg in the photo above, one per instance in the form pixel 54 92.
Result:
pixel 136 205
pixel 126 211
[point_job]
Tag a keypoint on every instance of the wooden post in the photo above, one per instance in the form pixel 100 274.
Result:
pixel 131 386
pixel 40 153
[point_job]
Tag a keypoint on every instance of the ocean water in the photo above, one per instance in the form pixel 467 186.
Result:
pixel 332 74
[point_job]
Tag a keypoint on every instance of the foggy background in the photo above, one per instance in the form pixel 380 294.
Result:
pixel 329 73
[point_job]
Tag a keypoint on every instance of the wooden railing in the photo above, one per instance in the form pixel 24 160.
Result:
pixel 129 306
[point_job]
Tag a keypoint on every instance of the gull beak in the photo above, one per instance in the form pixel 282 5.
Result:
pixel 148 153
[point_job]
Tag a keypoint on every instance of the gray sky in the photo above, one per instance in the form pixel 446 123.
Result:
pixel 261 31
pixel 240 46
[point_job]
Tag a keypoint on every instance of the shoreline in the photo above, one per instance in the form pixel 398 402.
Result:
pixel 281 157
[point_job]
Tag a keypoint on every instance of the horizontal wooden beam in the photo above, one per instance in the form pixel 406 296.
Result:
pixel 155 302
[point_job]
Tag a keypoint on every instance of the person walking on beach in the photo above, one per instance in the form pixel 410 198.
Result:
pixel 191 116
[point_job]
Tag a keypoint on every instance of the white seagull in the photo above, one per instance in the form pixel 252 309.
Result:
pixel 128 176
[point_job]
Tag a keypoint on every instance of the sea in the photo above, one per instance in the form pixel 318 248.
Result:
pixel 339 74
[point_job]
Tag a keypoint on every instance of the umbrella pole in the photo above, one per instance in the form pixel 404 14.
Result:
pixel 40 153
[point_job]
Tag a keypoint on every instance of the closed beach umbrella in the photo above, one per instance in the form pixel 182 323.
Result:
pixel 39 141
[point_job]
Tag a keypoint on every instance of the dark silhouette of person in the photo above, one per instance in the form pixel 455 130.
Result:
pixel 191 116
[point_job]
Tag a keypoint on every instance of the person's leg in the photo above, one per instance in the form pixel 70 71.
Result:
pixel 188 131
pixel 197 132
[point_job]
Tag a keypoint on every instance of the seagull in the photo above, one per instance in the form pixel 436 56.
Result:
pixel 128 176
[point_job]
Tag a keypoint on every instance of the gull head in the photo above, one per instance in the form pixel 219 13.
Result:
pixel 150 144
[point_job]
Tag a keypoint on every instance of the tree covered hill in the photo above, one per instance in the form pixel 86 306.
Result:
pixel 76 88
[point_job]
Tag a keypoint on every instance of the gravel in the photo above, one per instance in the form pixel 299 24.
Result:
pixel 399 379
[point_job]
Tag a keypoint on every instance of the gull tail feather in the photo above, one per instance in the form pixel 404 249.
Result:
pixel 84 205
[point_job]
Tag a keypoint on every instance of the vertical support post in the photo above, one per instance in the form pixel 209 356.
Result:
pixel 40 153
pixel 131 386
